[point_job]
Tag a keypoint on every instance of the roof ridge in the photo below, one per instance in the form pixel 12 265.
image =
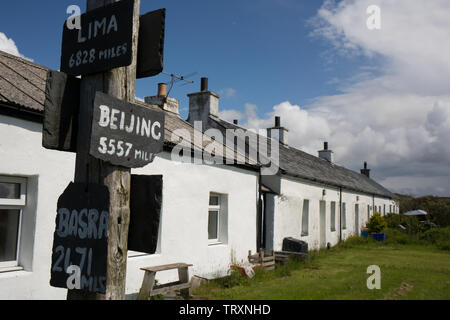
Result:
pixel 23 60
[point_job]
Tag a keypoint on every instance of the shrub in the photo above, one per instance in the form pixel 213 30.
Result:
pixel 394 236
pixel 436 235
pixel 376 223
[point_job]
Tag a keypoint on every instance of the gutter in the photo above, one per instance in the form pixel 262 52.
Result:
pixel 17 111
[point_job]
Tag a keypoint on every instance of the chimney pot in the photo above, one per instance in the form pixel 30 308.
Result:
pixel 204 86
pixel 162 90
pixel 326 154
pixel 277 122
pixel 365 171
pixel 236 122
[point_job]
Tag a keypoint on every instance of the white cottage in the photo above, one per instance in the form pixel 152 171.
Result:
pixel 309 198
pixel 207 213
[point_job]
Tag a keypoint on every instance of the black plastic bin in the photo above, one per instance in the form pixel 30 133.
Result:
pixel 295 245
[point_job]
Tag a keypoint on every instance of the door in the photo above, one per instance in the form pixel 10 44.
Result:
pixel 357 233
pixel 323 225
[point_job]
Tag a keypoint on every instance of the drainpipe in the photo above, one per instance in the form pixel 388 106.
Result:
pixel 340 214
pixel 259 220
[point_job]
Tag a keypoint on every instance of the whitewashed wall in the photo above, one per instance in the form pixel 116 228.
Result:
pixel 184 228
pixel 48 173
pixel 288 210
pixel 186 189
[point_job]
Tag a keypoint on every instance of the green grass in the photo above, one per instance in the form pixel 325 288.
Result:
pixel 407 272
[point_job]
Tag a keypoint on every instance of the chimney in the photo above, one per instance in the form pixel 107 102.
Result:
pixel 203 104
pixel 278 132
pixel 326 154
pixel 236 122
pixel 365 171
pixel 166 103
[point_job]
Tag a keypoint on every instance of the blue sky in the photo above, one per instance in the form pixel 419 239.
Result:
pixel 380 96
pixel 260 49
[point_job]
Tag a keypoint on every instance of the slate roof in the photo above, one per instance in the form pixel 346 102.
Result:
pixel 22 84
pixel 297 163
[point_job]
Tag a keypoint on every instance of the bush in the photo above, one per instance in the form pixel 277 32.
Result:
pixel 394 236
pixel 436 235
pixel 394 220
pixel 376 223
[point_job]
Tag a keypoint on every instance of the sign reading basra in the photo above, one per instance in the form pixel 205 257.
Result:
pixel 104 41
pixel 125 134
pixel 80 245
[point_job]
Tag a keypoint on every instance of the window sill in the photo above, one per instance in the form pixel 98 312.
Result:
pixel 10 269
pixel 214 244
pixel 135 254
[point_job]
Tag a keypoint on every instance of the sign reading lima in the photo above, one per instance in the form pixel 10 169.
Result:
pixel 104 41
pixel 125 134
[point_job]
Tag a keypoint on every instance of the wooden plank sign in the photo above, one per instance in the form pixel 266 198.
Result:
pixel 80 245
pixel 104 41
pixel 62 102
pixel 125 134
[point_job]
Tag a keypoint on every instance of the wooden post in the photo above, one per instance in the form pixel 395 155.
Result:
pixel 119 83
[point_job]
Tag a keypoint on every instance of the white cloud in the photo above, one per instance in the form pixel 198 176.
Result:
pixel 398 120
pixel 8 45
pixel 227 92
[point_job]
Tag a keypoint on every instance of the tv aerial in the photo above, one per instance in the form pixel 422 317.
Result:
pixel 176 79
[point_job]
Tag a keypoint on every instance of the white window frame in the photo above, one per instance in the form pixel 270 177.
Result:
pixel 14 204
pixel 215 208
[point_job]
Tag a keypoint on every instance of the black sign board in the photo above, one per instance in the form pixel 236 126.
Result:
pixel 150 58
pixel 104 41
pixel 146 198
pixel 62 101
pixel 125 134
pixel 80 245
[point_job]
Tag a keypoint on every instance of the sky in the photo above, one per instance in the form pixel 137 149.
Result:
pixel 381 96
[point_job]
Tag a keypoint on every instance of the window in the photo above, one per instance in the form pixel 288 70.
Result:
pixel 305 218
pixel 333 217
pixel 344 216
pixel 390 208
pixel 12 202
pixel 384 209
pixel 217 219
pixel 368 212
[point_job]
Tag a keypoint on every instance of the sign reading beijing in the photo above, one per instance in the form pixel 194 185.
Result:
pixel 104 41
pixel 125 134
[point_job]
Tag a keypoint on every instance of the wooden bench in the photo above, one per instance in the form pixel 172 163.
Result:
pixel 149 289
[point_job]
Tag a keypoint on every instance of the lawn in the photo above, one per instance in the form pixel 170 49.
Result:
pixel 407 272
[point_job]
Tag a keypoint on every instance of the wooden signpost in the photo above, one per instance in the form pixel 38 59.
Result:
pixel 111 136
